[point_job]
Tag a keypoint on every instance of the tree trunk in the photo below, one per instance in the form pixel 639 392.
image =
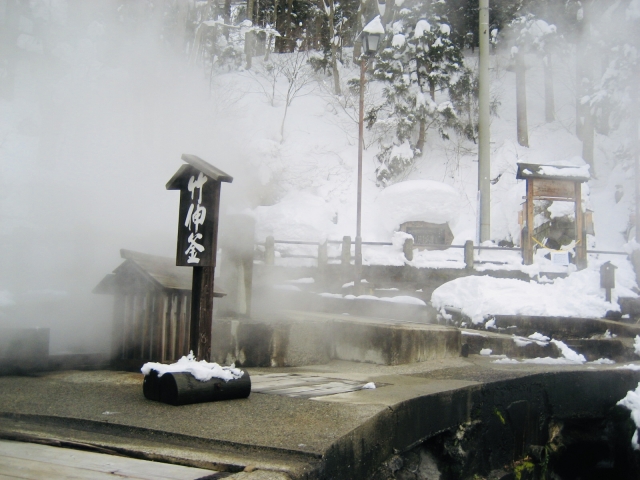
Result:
pixel 334 54
pixel 521 100
pixel 588 138
pixel 250 10
pixel 227 17
pixel 249 38
pixel 422 135
pixel 288 41
pixel 388 11
pixel 549 101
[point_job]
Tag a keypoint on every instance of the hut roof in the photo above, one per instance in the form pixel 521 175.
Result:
pixel 553 172
pixel 162 272
pixel 196 164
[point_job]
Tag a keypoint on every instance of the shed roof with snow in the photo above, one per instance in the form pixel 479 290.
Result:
pixel 141 271
pixel 553 172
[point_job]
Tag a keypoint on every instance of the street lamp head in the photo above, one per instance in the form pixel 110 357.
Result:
pixel 371 35
pixel 370 42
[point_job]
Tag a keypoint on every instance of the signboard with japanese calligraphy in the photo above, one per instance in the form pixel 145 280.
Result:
pixel 196 225
pixel 199 185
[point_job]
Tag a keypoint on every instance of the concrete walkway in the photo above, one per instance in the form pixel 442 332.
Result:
pixel 287 431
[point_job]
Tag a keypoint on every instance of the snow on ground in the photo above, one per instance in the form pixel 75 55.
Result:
pixel 578 295
pixel 632 402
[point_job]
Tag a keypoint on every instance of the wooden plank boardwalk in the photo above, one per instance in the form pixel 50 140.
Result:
pixel 19 460
pixel 301 386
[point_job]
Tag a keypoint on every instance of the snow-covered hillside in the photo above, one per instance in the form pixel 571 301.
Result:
pixel 95 128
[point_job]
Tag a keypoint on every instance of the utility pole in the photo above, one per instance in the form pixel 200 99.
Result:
pixel 484 133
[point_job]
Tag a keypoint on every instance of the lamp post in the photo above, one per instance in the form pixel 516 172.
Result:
pixel 370 37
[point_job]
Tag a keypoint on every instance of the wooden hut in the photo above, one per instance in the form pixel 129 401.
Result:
pixel 152 308
pixel 554 183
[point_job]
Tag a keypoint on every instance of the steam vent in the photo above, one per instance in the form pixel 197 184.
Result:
pixel 320 240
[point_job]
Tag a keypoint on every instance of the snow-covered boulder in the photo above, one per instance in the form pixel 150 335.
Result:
pixel 417 200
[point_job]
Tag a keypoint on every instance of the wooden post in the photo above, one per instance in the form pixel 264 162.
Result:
pixel 323 262
pixel 199 184
pixel 201 312
pixel 346 251
pixel 527 232
pixel 581 234
pixel 269 251
pixel 346 258
pixel 468 254
pixel 407 248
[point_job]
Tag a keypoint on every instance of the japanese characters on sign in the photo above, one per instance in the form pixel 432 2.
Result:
pixel 195 218
pixel 199 186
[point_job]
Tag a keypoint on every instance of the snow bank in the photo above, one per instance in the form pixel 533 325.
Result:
pixel 201 370
pixel 578 295
pixel 298 216
pixel 632 402
pixel 417 200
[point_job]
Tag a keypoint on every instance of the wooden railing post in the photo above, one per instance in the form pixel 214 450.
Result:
pixel 346 251
pixel 408 249
pixel 269 251
pixel 323 261
pixel 323 256
pixel 468 254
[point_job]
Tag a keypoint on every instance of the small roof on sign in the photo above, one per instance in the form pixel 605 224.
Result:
pixel 159 271
pixel 553 172
pixel 196 164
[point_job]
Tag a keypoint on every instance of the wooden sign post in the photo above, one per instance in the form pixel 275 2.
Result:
pixel 199 185
pixel 555 183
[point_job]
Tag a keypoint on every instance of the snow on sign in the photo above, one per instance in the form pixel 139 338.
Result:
pixel 199 185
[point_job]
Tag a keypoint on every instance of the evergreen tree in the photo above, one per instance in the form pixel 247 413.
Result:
pixel 419 61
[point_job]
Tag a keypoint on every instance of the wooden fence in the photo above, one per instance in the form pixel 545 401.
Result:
pixel 408 248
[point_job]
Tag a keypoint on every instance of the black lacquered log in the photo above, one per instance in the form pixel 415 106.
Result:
pixel 184 388
pixel 151 386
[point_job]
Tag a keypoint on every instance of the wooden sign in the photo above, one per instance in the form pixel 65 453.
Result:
pixel 199 185
pixel 554 189
pixel 197 221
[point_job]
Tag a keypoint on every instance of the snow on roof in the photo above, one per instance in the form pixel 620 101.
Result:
pixel 374 26
pixel 417 200
pixel 554 172
pixel 160 271
pixel 194 162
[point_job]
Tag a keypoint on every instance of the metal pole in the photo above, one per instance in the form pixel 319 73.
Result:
pixel 484 154
pixel 363 65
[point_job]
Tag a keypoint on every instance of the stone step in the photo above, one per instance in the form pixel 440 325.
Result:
pixel 618 349
pixel 509 345
pixel 563 327
pixel 296 338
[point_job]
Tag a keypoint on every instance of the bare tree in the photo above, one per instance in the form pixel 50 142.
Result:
pixel 296 70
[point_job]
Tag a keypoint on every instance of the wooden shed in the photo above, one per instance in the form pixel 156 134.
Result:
pixel 555 183
pixel 152 307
